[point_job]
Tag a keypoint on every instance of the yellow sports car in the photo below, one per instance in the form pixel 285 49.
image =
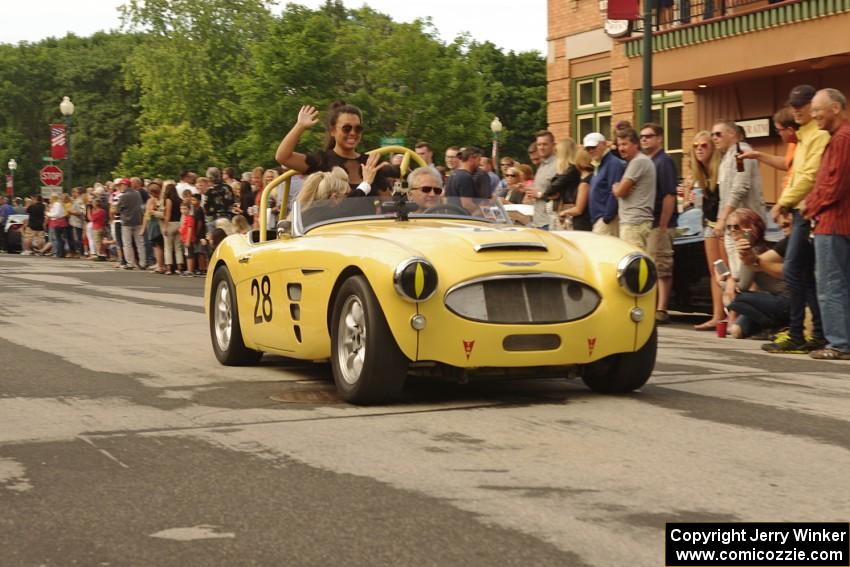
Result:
pixel 384 289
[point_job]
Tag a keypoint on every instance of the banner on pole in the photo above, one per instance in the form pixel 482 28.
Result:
pixel 57 141
pixel 623 9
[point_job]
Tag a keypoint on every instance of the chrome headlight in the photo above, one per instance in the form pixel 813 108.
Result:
pixel 637 274
pixel 415 279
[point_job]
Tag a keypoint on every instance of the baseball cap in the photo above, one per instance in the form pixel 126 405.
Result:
pixel 801 95
pixel 593 139
pixel 121 181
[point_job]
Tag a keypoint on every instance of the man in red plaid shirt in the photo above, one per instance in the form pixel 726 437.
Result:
pixel 828 205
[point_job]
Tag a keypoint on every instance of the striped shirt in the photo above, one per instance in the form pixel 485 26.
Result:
pixel 829 201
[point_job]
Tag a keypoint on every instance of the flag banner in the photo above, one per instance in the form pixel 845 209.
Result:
pixel 57 141
pixel 623 10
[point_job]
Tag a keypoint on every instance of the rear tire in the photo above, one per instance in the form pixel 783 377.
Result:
pixel 368 366
pixel 225 331
pixel 622 373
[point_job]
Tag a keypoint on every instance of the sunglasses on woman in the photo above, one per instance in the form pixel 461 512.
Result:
pixel 347 128
pixel 436 190
pixel 701 145
pixel 511 175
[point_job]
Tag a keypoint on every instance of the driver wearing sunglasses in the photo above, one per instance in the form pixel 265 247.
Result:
pixel 425 188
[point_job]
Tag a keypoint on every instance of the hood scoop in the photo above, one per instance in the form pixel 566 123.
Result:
pixel 511 246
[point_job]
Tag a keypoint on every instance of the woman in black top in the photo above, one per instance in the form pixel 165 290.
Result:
pixel 342 135
pixel 174 260
pixel 574 187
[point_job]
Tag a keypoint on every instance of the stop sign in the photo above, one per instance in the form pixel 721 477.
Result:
pixel 51 175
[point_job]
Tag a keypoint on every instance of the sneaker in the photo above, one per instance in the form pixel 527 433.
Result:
pixel 786 345
pixel 127 267
pixel 815 343
pixel 185 274
pixel 736 331
pixel 197 273
pixel 662 317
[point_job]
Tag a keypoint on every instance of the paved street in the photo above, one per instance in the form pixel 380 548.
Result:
pixel 124 442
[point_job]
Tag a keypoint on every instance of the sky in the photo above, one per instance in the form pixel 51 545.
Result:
pixel 522 28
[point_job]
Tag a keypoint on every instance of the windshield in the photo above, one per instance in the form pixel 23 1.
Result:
pixel 317 213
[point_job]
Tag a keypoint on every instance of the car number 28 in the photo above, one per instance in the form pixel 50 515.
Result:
pixel 263 303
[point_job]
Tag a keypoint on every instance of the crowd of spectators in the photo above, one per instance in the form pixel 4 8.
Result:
pixel 624 186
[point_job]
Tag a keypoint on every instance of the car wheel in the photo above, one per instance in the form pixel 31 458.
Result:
pixel 224 324
pixel 622 373
pixel 368 366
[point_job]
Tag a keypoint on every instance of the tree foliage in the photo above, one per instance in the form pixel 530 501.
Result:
pixel 190 82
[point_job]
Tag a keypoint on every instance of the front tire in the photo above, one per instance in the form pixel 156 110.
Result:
pixel 622 373
pixel 225 331
pixel 368 366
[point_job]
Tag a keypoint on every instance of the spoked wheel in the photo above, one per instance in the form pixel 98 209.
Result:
pixel 368 366
pixel 622 373
pixel 225 331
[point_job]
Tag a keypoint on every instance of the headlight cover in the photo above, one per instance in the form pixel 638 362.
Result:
pixel 415 279
pixel 637 274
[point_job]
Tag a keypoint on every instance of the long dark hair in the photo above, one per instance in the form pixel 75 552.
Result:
pixel 336 108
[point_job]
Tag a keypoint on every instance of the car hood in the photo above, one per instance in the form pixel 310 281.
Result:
pixel 471 241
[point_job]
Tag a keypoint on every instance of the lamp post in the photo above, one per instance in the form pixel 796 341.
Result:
pixel 13 165
pixel 496 128
pixel 66 107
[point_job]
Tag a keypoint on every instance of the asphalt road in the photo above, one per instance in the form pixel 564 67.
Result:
pixel 124 442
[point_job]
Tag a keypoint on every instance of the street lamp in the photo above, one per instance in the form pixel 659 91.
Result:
pixel 66 107
pixel 496 128
pixel 13 165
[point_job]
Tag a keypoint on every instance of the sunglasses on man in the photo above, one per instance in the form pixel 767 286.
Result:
pixel 426 190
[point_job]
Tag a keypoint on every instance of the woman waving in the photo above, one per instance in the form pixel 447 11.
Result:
pixel 343 132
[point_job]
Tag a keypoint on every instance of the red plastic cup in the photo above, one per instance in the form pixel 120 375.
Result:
pixel 721 329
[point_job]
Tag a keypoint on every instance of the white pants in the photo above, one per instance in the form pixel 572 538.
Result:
pixel 90 236
pixel 130 235
pixel 173 248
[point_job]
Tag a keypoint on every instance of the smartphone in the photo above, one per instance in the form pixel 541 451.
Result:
pixel 748 236
pixel 721 268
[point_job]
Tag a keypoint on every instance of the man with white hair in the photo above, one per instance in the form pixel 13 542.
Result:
pixel 425 188
pixel 828 205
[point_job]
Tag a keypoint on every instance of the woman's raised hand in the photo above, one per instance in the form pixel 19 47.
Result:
pixel 308 116
pixel 371 167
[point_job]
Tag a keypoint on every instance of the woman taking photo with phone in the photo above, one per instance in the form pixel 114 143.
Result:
pixel 343 132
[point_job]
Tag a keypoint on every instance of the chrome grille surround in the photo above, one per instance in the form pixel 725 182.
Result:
pixel 517 299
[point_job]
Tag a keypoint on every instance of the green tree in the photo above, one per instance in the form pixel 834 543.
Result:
pixel 515 92
pixel 405 80
pixel 166 150
pixel 188 60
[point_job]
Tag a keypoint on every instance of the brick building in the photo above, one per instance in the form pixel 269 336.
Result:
pixel 712 59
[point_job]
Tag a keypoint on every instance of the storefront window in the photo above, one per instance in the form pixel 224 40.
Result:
pixel 667 110
pixel 592 106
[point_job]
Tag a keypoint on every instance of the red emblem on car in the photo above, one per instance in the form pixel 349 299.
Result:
pixel 591 344
pixel 467 348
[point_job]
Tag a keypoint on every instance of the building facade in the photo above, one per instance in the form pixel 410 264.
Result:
pixel 712 59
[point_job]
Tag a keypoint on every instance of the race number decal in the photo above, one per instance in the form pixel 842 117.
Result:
pixel 263 303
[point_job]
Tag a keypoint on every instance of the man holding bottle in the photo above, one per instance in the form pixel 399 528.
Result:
pixel 740 185
pixel 799 266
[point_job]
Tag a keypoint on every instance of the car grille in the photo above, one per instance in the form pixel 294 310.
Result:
pixel 523 299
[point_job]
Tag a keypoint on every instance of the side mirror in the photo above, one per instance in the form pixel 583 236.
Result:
pixel 284 228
